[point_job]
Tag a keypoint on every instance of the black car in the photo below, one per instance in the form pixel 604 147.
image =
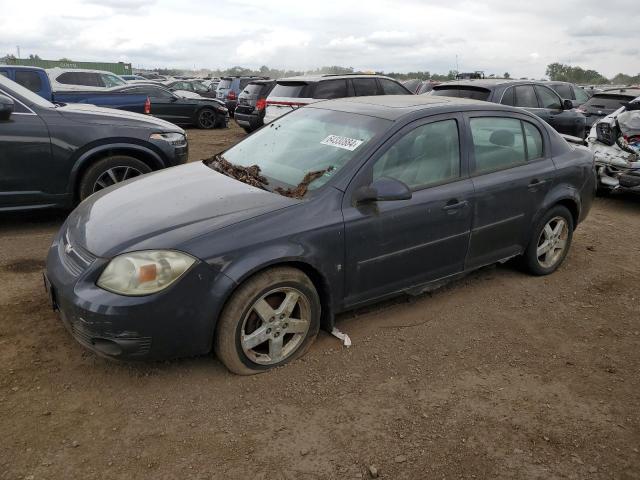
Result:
pixel 191 86
pixel 165 104
pixel 605 103
pixel 569 91
pixel 534 97
pixel 252 103
pixel 54 156
pixel 335 205
pixel 229 89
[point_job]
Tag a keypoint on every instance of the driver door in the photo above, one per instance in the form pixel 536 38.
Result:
pixel 394 245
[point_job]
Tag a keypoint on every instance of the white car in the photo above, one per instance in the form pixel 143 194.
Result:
pixel 73 80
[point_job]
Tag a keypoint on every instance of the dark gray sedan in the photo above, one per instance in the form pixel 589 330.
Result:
pixel 335 205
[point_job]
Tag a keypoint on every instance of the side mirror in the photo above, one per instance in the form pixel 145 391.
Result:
pixel 6 107
pixel 384 189
pixel 567 105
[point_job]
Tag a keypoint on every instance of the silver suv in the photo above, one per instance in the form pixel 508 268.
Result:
pixel 294 92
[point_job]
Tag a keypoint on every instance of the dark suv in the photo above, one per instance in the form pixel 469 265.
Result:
pixel 607 102
pixel 252 104
pixel 230 87
pixel 569 91
pixel 294 92
pixel 54 156
pixel 534 97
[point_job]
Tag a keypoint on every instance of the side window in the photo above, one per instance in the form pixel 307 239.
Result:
pixel 365 86
pixel 534 141
pixel 508 97
pixel 159 93
pixel 497 143
pixel 86 79
pixel 199 87
pixel 110 80
pixel 548 98
pixel 525 97
pixel 563 90
pixel 331 89
pixel 391 88
pixel 68 78
pixel 581 96
pixel 4 73
pixel 425 156
pixel 30 80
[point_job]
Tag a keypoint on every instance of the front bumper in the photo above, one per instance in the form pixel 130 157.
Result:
pixel 248 120
pixel 177 322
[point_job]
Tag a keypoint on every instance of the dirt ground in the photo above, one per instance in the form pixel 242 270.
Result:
pixel 499 375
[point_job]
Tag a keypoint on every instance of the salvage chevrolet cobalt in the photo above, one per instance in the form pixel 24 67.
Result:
pixel 332 206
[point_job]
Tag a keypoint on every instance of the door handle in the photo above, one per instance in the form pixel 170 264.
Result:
pixel 454 204
pixel 535 183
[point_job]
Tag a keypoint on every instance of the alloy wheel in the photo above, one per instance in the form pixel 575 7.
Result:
pixel 207 119
pixel 275 326
pixel 552 242
pixel 115 175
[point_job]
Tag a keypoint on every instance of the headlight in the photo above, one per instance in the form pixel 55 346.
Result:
pixel 174 138
pixel 145 272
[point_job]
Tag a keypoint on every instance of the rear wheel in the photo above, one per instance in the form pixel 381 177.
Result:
pixel 207 119
pixel 270 320
pixel 550 242
pixel 108 172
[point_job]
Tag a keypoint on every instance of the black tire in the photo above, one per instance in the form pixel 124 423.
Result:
pixel 247 129
pixel 239 316
pixel 207 119
pixel 531 260
pixel 97 176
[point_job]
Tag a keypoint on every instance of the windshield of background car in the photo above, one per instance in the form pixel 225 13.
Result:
pixel 26 94
pixel 474 93
pixel 306 140
pixel 608 102
pixel 290 90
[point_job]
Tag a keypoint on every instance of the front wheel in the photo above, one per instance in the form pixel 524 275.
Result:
pixel 270 320
pixel 109 171
pixel 207 119
pixel 550 242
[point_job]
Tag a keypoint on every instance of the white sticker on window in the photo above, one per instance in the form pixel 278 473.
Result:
pixel 342 142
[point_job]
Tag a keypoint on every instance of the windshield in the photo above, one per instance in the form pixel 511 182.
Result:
pixel 26 94
pixel 306 141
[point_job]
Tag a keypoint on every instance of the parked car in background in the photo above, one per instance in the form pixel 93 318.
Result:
pixel 426 86
pixel 199 111
pixel 153 76
pixel 55 156
pixel 412 84
pixel 193 86
pixel 615 142
pixel 132 77
pixel 606 102
pixel 353 201
pixel 230 87
pixel 294 92
pixel 74 79
pixel 252 104
pixel 569 91
pixel 534 97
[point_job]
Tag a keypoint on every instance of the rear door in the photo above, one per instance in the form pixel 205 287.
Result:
pixel 395 245
pixel 512 171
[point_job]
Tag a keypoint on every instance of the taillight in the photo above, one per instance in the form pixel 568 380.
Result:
pixel 261 104
pixel 147 106
pixel 231 95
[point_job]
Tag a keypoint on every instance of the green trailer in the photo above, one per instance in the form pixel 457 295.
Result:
pixel 119 68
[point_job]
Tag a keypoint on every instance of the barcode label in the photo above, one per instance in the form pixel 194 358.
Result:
pixel 342 142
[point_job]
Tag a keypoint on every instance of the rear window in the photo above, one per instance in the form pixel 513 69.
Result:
pixel 291 90
pixel 253 88
pixel 612 102
pixel 475 93
pixel 30 80
pixel 224 83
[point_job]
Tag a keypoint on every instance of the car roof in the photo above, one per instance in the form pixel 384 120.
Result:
pixel 393 107
pixel 319 78
pixel 487 83
pixel 631 92
pixel 22 67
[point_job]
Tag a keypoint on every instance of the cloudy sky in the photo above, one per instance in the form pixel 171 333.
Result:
pixel 390 35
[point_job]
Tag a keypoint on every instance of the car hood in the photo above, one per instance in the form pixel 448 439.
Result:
pixel 86 113
pixel 165 209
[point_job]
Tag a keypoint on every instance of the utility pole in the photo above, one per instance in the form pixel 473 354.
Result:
pixel 457 67
pixel 18 50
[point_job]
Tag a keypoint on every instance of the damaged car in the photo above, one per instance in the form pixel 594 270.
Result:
pixel 332 206
pixel 615 143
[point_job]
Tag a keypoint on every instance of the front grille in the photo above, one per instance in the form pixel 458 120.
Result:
pixel 75 258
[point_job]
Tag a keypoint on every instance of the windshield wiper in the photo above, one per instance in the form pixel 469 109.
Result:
pixel 300 190
pixel 249 175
